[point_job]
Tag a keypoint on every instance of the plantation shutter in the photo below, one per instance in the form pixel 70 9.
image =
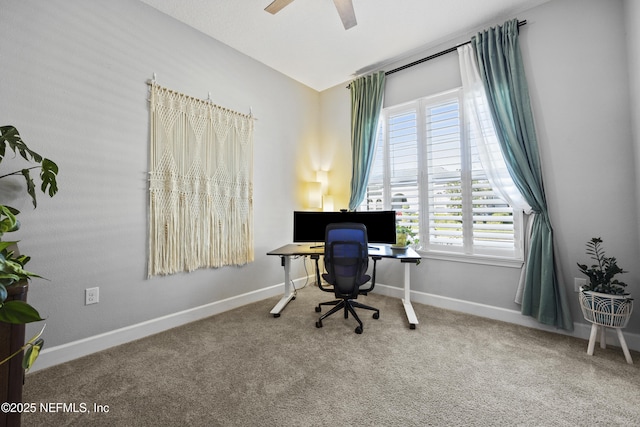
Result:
pixel 403 167
pixel 444 177
pixel 427 168
pixel 493 224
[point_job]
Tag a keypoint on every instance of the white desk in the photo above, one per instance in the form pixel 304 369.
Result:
pixel 286 252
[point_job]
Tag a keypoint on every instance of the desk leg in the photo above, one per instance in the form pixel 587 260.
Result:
pixel 408 308
pixel 288 295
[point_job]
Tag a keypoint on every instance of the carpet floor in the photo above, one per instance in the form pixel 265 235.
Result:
pixel 247 368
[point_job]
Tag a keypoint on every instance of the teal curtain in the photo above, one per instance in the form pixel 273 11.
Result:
pixel 500 64
pixel 366 102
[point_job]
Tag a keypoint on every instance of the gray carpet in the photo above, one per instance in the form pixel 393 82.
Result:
pixel 246 368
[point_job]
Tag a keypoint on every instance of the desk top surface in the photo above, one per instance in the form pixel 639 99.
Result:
pixel 383 251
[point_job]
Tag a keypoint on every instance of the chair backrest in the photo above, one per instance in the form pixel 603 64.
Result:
pixel 346 257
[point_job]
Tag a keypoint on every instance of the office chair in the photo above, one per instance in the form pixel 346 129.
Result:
pixel 346 258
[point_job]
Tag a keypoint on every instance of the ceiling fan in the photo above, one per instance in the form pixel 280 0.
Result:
pixel 345 10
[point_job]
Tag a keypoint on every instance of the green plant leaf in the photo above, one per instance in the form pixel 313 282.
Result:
pixel 9 135
pixel 11 210
pixel 9 222
pixel 3 293
pixel 5 245
pixel 14 266
pixel 18 312
pixel 5 133
pixel 34 341
pixel 31 354
pixel 22 260
pixel 48 175
pixel 8 279
pixel 31 186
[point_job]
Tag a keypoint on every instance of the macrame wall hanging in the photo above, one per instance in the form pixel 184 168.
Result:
pixel 201 184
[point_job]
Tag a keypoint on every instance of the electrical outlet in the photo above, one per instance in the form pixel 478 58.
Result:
pixel 577 282
pixel 91 296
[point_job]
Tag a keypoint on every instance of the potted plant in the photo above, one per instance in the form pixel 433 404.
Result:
pixel 12 265
pixel 405 236
pixel 15 312
pixel 603 300
pixel 402 236
pixel 13 287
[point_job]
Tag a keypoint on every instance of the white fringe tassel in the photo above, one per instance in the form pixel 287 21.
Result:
pixel 201 185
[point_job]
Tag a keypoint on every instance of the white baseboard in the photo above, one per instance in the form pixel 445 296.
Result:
pixel 580 330
pixel 76 349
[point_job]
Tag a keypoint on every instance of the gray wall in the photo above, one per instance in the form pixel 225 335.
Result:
pixel 73 81
pixel 575 54
pixel 632 17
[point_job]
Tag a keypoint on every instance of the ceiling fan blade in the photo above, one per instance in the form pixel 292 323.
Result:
pixel 276 6
pixel 346 12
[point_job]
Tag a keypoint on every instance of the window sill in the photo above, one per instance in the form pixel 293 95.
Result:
pixel 472 259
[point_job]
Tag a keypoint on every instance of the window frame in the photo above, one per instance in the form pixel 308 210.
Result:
pixel 468 251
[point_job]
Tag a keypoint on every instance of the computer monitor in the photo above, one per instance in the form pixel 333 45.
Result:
pixel 309 226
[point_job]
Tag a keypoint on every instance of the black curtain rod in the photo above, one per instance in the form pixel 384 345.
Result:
pixel 435 55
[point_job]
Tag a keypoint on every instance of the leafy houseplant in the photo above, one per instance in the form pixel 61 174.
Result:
pixel 603 300
pixel 402 235
pixel 601 274
pixel 405 235
pixel 12 271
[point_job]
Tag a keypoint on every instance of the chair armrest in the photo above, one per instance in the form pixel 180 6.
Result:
pixel 373 277
pixel 318 278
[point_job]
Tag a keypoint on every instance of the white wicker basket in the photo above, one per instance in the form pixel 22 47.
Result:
pixel 612 311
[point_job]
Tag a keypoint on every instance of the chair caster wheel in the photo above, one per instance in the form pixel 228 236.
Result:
pixel 318 324
pixel 412 326
pixel 318 309
pixel 359 330
pixel 276 315
pixel 376 315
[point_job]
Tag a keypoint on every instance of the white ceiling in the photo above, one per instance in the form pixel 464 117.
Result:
pixel 307 42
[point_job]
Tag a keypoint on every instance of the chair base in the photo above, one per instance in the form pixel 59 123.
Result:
pixel 348 305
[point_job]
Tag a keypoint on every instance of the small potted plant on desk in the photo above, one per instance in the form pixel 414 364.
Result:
pixel 405 237
pixel 603 300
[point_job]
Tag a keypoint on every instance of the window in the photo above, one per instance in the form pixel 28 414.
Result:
pixel 427 169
